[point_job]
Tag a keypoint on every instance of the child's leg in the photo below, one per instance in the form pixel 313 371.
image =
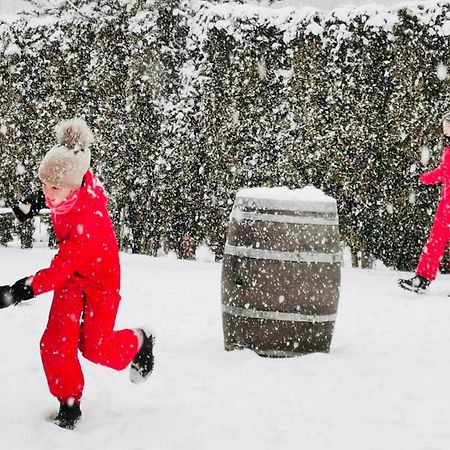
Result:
pixel 59 344
pixel 433 250
pixel 99 342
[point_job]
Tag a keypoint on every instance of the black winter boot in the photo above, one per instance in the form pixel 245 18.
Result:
pixel 142 364
pixel 416 284
pixel 68 416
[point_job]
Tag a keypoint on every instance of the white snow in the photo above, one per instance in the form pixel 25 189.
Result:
pixel 308 193
pixel 305 199
pixel 441 71
pixel 446 29
pixel 424 155
pixel 14 6
pixel 330 4
pixel 384 384
pixel 204 254
pixel 12 49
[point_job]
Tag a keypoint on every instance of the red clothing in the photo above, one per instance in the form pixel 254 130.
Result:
pixel 440 232
pixel 440 175
pixel 87 244
pixel 85 277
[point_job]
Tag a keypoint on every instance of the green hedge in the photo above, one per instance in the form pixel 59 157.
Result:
pixel 190 103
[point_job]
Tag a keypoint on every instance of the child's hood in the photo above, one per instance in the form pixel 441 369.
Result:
pixel 94 188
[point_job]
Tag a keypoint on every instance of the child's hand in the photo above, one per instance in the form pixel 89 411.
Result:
pixel 5 296
pixel 19 291
pixel 29 206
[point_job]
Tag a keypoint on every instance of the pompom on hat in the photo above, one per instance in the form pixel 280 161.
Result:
pixel 65 164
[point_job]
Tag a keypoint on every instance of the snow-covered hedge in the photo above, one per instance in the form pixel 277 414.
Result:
pixel 192 100
pixel 54 67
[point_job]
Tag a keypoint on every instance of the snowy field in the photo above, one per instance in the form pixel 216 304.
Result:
pixel 384 385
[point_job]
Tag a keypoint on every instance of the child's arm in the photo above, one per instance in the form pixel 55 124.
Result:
pixel 433 177
pixel 439 174
pixel 72 256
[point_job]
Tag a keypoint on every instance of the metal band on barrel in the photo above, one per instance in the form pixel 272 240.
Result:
pixel 275 315
pixel 242 215
pixel 249 252
pixel 277 353
pixel 288 205
pixel 272 353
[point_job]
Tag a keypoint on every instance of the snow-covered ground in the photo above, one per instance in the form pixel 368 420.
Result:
pixel 385 383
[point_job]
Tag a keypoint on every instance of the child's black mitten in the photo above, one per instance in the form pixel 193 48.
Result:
pixel 19 291
pixel 29 206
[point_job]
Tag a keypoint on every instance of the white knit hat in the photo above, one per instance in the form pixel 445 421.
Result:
pixel 65 164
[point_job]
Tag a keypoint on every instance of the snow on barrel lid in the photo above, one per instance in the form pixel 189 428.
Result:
pixel 308 198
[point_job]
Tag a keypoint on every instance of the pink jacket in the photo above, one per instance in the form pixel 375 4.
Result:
pixel 440 175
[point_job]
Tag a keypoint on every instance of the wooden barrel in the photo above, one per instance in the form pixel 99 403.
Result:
pixel 281 272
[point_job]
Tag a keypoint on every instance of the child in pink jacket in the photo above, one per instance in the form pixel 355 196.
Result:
pixel 433 251
pixel 84 276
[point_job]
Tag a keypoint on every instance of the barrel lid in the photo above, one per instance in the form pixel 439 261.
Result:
pixel 308 198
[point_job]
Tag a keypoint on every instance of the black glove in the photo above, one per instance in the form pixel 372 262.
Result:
pixel 29 206
pixel 12 295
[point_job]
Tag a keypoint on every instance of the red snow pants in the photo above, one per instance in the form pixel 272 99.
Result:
pixel 84 321
pixel 434 249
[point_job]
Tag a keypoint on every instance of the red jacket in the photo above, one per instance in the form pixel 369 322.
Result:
pixel 440 175
pixel 88 249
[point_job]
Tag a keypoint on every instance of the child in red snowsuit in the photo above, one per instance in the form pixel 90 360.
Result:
pixel 433 250
pixel 84 275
